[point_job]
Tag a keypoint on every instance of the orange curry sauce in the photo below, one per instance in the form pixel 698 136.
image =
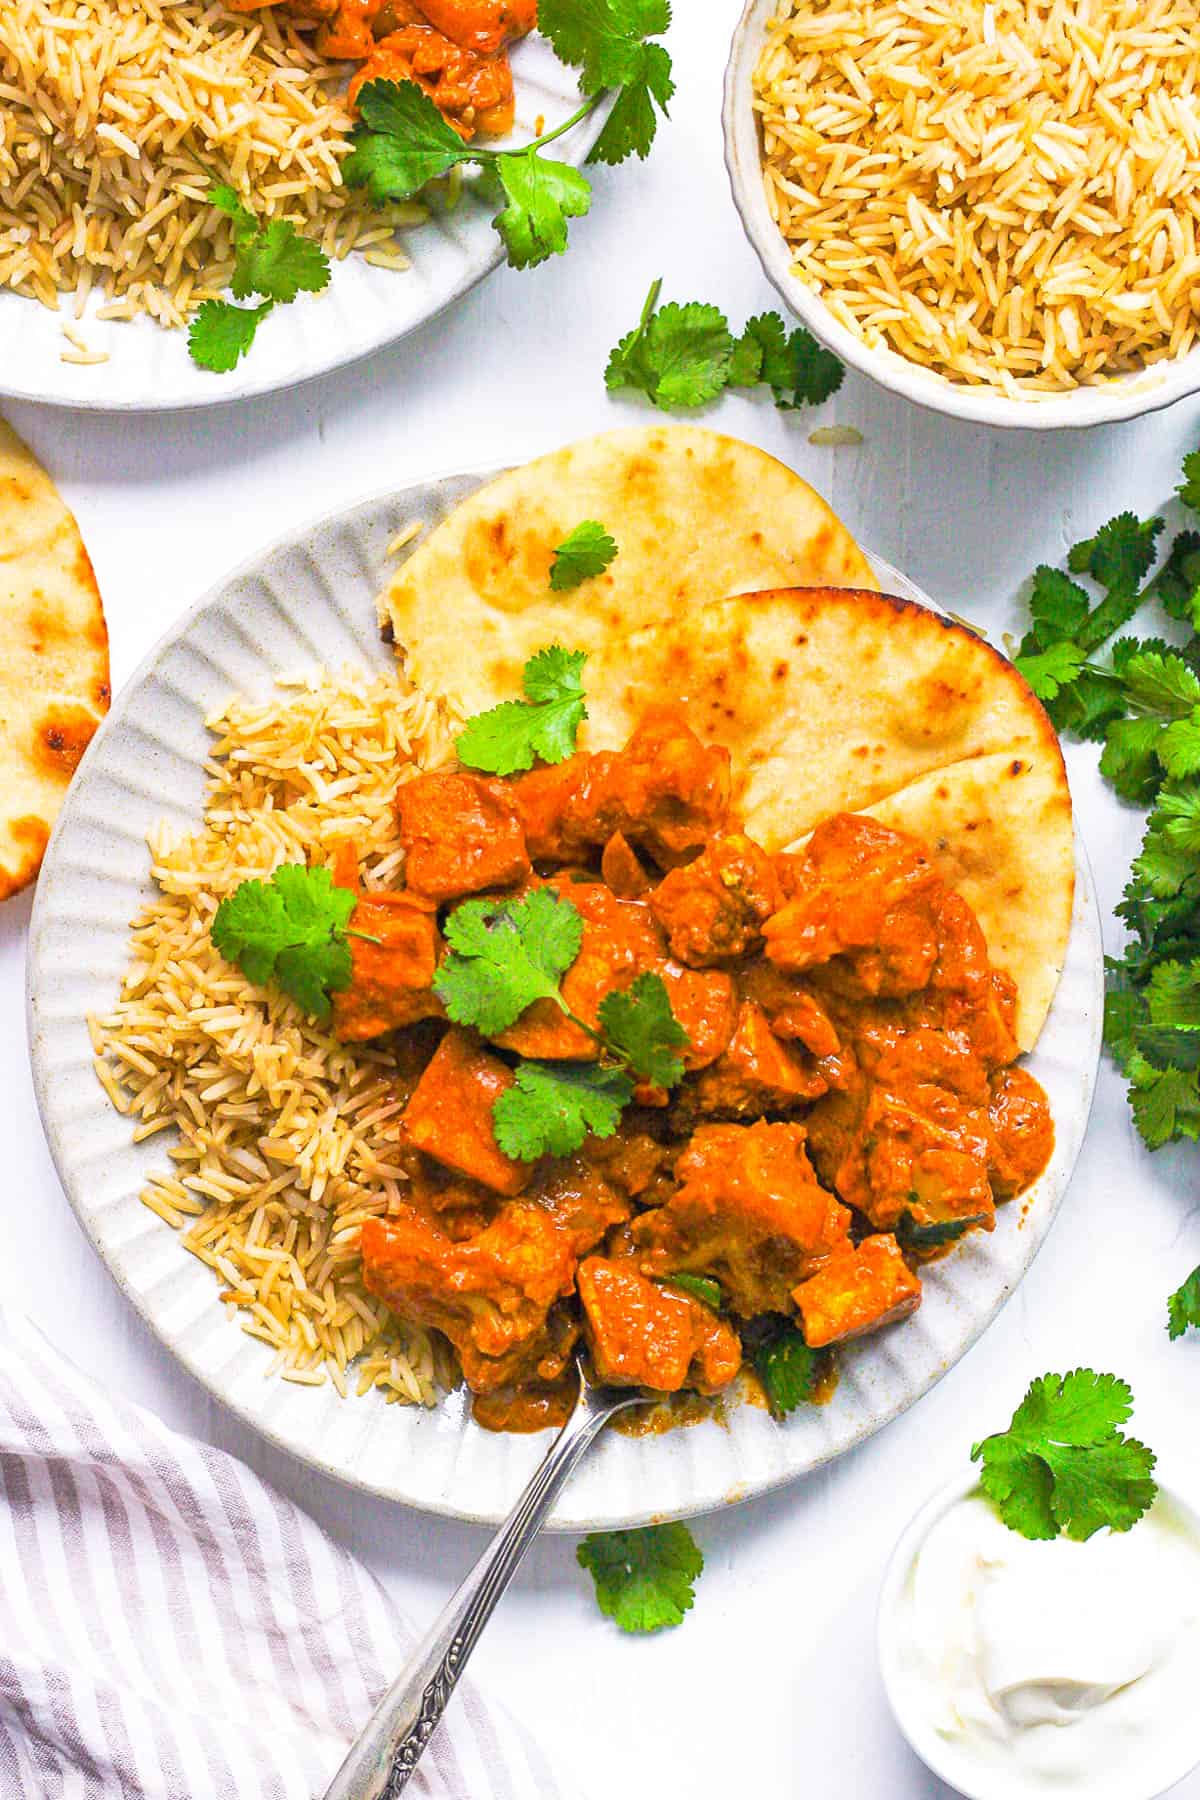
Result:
pixel 849 1073
pixel 456 50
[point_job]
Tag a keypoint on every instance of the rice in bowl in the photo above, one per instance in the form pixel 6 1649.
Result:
pixel 285 1137
pixel 1004 191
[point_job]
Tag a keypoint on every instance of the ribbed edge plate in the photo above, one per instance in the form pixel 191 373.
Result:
pixel 311 600
pixel 364 307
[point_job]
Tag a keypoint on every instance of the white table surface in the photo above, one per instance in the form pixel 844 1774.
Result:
pixel 769 1688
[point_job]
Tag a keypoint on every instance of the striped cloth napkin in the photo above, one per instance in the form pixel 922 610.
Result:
pixel 172 1629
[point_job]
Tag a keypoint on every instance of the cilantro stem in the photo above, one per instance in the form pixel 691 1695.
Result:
pixel 548 137
pixel 366 936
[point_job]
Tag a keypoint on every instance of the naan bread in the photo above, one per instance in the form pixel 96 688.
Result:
pixel 54 685
pixel 696 516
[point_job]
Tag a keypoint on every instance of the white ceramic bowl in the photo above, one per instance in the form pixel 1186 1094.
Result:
pixel 1126 397
pixel 973 1781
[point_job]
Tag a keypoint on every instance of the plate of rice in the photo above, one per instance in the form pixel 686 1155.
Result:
pixel 223 1152
pixel 118 119
pixel 989 208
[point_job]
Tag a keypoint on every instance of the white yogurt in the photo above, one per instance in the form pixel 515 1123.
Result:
pixel 1023 1669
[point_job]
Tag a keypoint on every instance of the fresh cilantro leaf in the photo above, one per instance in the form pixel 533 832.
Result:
pixel 915 1236
pixel 785 1366
pixel 291 930
pixel 1089 704
pixel 678 356
pixel 1177 583
pixel 700 1287
pixel 641 1029
pixel 1058 606
pixel 1189 488
pixel 1118 557
pixel 816 372
pixel 645 1580
pixel 1161 684
pixel 761 353
pixel 279 264
pixel 602 38
pixel 1183 1306
pixel 1165 1103
pixel 1178 747
pixel 221 333
pixel 1049 671
pixel 1130 758
pixel 552 1106
pixel 1173 996
pixel 632 124
pixel 583 554
pixel 1062 1466
pixel 504 955
pixel 402 144
pixel 1177 816
pixel 542 195
pixel 508 737
pixel 228 201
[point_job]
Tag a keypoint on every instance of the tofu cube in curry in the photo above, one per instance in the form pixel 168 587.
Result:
pixel 665 792
pixel 391 984
pixel 449 1115
pixel 491 1294
pixel 713 909
pixel 644 1334
pixel 748 1212
pixel 861 1289
pixel 756 1074
pixel 460 834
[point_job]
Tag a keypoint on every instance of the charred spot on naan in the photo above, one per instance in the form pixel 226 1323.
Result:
pixel 61 736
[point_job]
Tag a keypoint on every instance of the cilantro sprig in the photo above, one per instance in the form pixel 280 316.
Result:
pixel 272 261
pixel 1063 1468
pixel 645 1580
pixel 292 930
pixel 507 738
pixel 1140 697
pixel 403 142
pixel 504 955
pixel 583 554
pixel 683 356
pixel 784 1364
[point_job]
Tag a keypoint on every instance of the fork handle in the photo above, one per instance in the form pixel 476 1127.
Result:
pixel 383 1758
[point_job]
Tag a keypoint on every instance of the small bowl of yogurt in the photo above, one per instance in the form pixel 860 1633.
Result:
pixel 1022 1669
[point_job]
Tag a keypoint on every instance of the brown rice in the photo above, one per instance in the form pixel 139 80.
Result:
pixel 285 1137
pixel 116 118
pixel 1006 191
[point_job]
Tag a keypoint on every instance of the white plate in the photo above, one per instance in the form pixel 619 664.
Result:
pixel 310 600
pixel 363 308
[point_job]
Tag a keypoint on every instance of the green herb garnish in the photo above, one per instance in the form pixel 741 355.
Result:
pixel 645 1580
pixel 507 738
pixel 785 1365
pixel 683 356
pixel 1063 1467
pixel 583 554
pixel 292 930
pixel 403 142
pixel 273 261
pixel 700 1287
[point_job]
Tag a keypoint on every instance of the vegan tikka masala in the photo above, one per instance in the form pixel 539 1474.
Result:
pixel 849 1105
pixel 455 50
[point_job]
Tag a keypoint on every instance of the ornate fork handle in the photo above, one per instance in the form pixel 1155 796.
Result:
pixel 380 1763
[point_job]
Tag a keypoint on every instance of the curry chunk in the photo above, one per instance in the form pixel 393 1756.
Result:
pixel 449 1116
pixel 491 1295
pixel 748 1212
pixel 460 834
pixel 665 792
pixel 705 1003
pixel 392 980
pixel 912 1137
pixel 1020 1131
pixel 866 892
pixel 757 1073
pixel 578 1198
pixel 622 869
pixel 859 1290
pixel 713 909
pixel 642 1334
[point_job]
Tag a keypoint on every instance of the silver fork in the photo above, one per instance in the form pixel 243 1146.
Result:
pixel 392 1743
